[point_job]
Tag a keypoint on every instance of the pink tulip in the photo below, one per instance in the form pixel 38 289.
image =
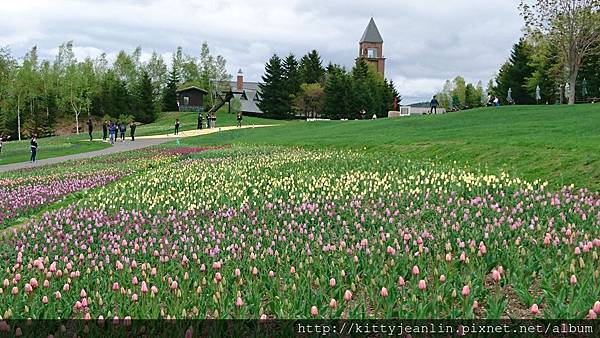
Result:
pixel 271 274
pixel 119 265
pixel 384 292
pixel 292 270
pixel 442 278
pixel 46 283
pixel 134 280
pixel 415 270
pixel 83 294
pixel 6 283
pixel 216 265
pixel 66 287
pixel 592 314
pixel 34 283
pixel 401 281
pixel 57 295
pixel 45 299
pixel 18 277
pixel 332 282
pixel 239 302
pixel 28 288
pixel 189 333
pixel 84 302
pixel 218 276
pixel 347 295
pixel 475 305
pixel 174 285
pixel 134 297
pixel 144 287
pixel 237 273
pixel 448 257
pixel 314 311
pixel 496 275
pixel 534 309
pixel 115 286
pixel 577 251
pixel 154 289
pixel 422 284
pixel 573 279
pixel 254 271
pixel 263 317
pixel 466 290
pixel 333 303
pixel 153 272
pixel 596 307
pixel 87 316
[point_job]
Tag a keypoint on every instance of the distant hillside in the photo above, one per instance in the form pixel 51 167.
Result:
pixel 420 105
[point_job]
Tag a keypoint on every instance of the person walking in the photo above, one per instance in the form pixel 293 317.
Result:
pixel 90 125
pixel 239 119
pixel 122 130
pixel 433 105
pixel 496 101
pixel 132 127
pixel 207 121
pixel 200 122
pixel 2 139
pixel 34 146
pixel 214 120
pixel 177 126
pixel 104 131
pixel 112 130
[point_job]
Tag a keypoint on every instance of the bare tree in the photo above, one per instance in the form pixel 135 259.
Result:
pixel 572 25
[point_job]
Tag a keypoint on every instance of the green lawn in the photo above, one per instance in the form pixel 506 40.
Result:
pixel 19 151
pixel 560 144
pixel 165 124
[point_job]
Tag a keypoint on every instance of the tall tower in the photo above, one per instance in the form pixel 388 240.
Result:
pixel 371 47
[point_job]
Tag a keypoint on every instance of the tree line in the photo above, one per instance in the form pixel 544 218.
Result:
pixel 36 94
pixel 305 88
pixel 458 94
pixel 558 59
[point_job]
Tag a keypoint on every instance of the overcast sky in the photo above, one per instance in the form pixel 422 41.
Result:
pixel 425 41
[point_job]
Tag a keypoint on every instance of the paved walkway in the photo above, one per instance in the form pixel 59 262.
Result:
pixel 139 143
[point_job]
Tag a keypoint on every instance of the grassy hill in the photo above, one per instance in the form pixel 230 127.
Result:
pixel 560 144
pixel 165 124
pixel 19 151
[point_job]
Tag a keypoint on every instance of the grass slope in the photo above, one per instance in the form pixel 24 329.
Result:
pixel 48 147
pixel 165 124
pixel 560 144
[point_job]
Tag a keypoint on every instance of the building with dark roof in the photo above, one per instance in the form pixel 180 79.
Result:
pixel 191 98
pixel 371 47
pixel 248 93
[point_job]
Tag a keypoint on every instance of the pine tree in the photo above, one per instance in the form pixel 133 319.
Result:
pixel 274 102
pixel 169 96
pixel 292 79
pixel 146 111
pixel 338 90
pixel 311 68
pixel 514 74
pixel 362 90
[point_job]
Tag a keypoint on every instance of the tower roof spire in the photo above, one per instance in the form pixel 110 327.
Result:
pixel 371 33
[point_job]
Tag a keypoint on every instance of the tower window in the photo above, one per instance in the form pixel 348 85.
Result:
pixel 372 53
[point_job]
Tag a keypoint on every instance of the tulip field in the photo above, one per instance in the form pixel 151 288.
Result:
pixel 290 233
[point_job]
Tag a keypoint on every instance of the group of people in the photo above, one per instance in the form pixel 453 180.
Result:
pixel 111 128
pixel 211 120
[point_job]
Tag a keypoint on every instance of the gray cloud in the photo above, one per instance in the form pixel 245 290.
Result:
pixel 426 41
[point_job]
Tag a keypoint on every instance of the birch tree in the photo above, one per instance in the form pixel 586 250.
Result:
pixel 572 25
